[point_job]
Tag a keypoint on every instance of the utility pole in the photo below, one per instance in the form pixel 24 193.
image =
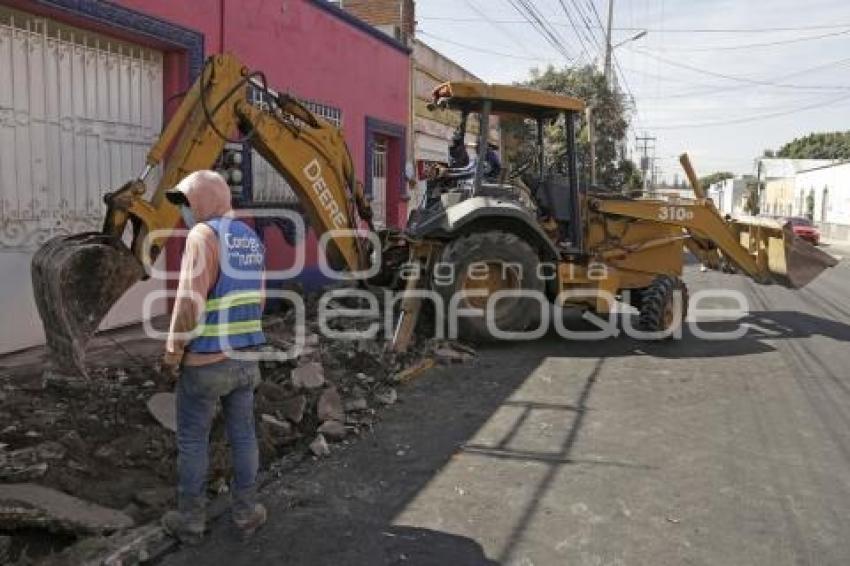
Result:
pixel 645 160
pixel 591 134
pixel 608 47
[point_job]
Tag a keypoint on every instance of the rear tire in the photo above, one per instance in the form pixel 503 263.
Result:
pixel 657 309
pixel 512 264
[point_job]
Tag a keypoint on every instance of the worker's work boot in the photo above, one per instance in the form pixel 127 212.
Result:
pixel 249 521
pixel 186 527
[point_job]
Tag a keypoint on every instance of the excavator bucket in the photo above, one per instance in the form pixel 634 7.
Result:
pixel 76 280
pixel 791 261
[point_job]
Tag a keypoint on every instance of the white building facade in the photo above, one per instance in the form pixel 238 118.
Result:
pixel 823 194
pixel 729 195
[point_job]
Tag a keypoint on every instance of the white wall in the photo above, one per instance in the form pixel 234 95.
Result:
pixel 728 195
pixel 836 181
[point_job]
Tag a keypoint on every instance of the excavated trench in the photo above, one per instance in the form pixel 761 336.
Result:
pixel 95 440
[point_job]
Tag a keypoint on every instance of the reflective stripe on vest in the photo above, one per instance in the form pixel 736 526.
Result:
pixel 233 300
pixel 230 328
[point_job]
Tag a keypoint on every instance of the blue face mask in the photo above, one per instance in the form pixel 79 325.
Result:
pixel 188 217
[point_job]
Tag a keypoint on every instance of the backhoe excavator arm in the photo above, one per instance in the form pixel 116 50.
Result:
pixel 309 152
pixel 763 249
pixel 77 279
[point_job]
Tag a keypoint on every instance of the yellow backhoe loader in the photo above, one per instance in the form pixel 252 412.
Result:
pixel 531 232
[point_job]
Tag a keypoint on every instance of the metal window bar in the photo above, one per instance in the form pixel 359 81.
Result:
pixel 267 185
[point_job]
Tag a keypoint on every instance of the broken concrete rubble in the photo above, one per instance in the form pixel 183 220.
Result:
pixel 280 427
pixel 293 408
pixel 33 506
pixel 357 404
pixel 319 447
pixel 333 430
pixel 134 469
pixel 308 376
pixel 156 497
pixel 330 406
pixel 163 407
pixel 29 463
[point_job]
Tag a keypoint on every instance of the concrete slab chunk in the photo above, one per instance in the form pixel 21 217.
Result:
pixel 333 430
pixel 329 407
pixel 293 408
pixel 26 505
pixel 163 407
pixel 308 376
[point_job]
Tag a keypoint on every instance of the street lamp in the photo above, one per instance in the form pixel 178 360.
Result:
pixel 610 48
pixel 635 37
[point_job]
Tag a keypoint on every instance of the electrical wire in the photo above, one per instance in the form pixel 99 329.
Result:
pixel 600 46
pixel 756 118
pixel 658 30
pixel 528 11
pixel 733 77
pixel 481 49
pixel 501 28
pixel 575 29
pixel 754 45
pixel 717 89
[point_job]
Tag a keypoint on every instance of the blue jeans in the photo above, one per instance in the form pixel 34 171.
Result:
pixel 198 391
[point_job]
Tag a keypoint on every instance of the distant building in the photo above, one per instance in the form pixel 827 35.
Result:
pixel 396 18
pixel 821 194
pixel 771 171
pixel 730 195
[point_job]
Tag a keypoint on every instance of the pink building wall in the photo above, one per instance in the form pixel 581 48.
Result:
pixel 314 55
pixel 303 47
pixel 309 52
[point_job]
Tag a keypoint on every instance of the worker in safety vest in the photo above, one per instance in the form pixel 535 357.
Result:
pixel 215 324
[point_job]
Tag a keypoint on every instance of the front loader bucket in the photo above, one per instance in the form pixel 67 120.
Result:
pixel 76 280
pixel 791 261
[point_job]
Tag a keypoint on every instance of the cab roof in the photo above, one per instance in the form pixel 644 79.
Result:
pixel 506 99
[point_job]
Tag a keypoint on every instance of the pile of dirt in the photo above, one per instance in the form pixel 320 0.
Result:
pixel 95 439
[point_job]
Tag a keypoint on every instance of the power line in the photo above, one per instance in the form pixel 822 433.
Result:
pixel 733 77
pixel 528 11
pixel 756 45
pixel 757 117
pixel 575 29
pixel 725 89
pixel 484 50
pixel 498 26
pixel 658 30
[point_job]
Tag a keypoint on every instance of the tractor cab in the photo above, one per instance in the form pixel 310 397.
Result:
pixel 476 186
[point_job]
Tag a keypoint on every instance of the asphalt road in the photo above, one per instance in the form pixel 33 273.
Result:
pixel 615 452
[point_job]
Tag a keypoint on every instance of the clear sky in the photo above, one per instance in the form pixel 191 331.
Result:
pixel 722 96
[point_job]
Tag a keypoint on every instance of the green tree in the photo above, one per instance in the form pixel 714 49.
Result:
pixel 610 124
pixel 821 145
pixel 716 177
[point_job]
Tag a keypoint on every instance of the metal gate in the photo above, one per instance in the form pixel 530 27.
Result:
pixel 379 183
pixel 78 112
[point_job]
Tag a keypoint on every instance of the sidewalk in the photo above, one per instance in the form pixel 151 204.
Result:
pixel 837 248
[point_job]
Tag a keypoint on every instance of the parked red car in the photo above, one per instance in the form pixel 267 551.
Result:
pixel 804 228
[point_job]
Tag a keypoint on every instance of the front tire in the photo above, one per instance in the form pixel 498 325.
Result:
pixel 511 263
pixel 658 305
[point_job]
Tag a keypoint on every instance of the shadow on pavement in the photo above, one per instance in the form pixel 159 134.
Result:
pixel 343 509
